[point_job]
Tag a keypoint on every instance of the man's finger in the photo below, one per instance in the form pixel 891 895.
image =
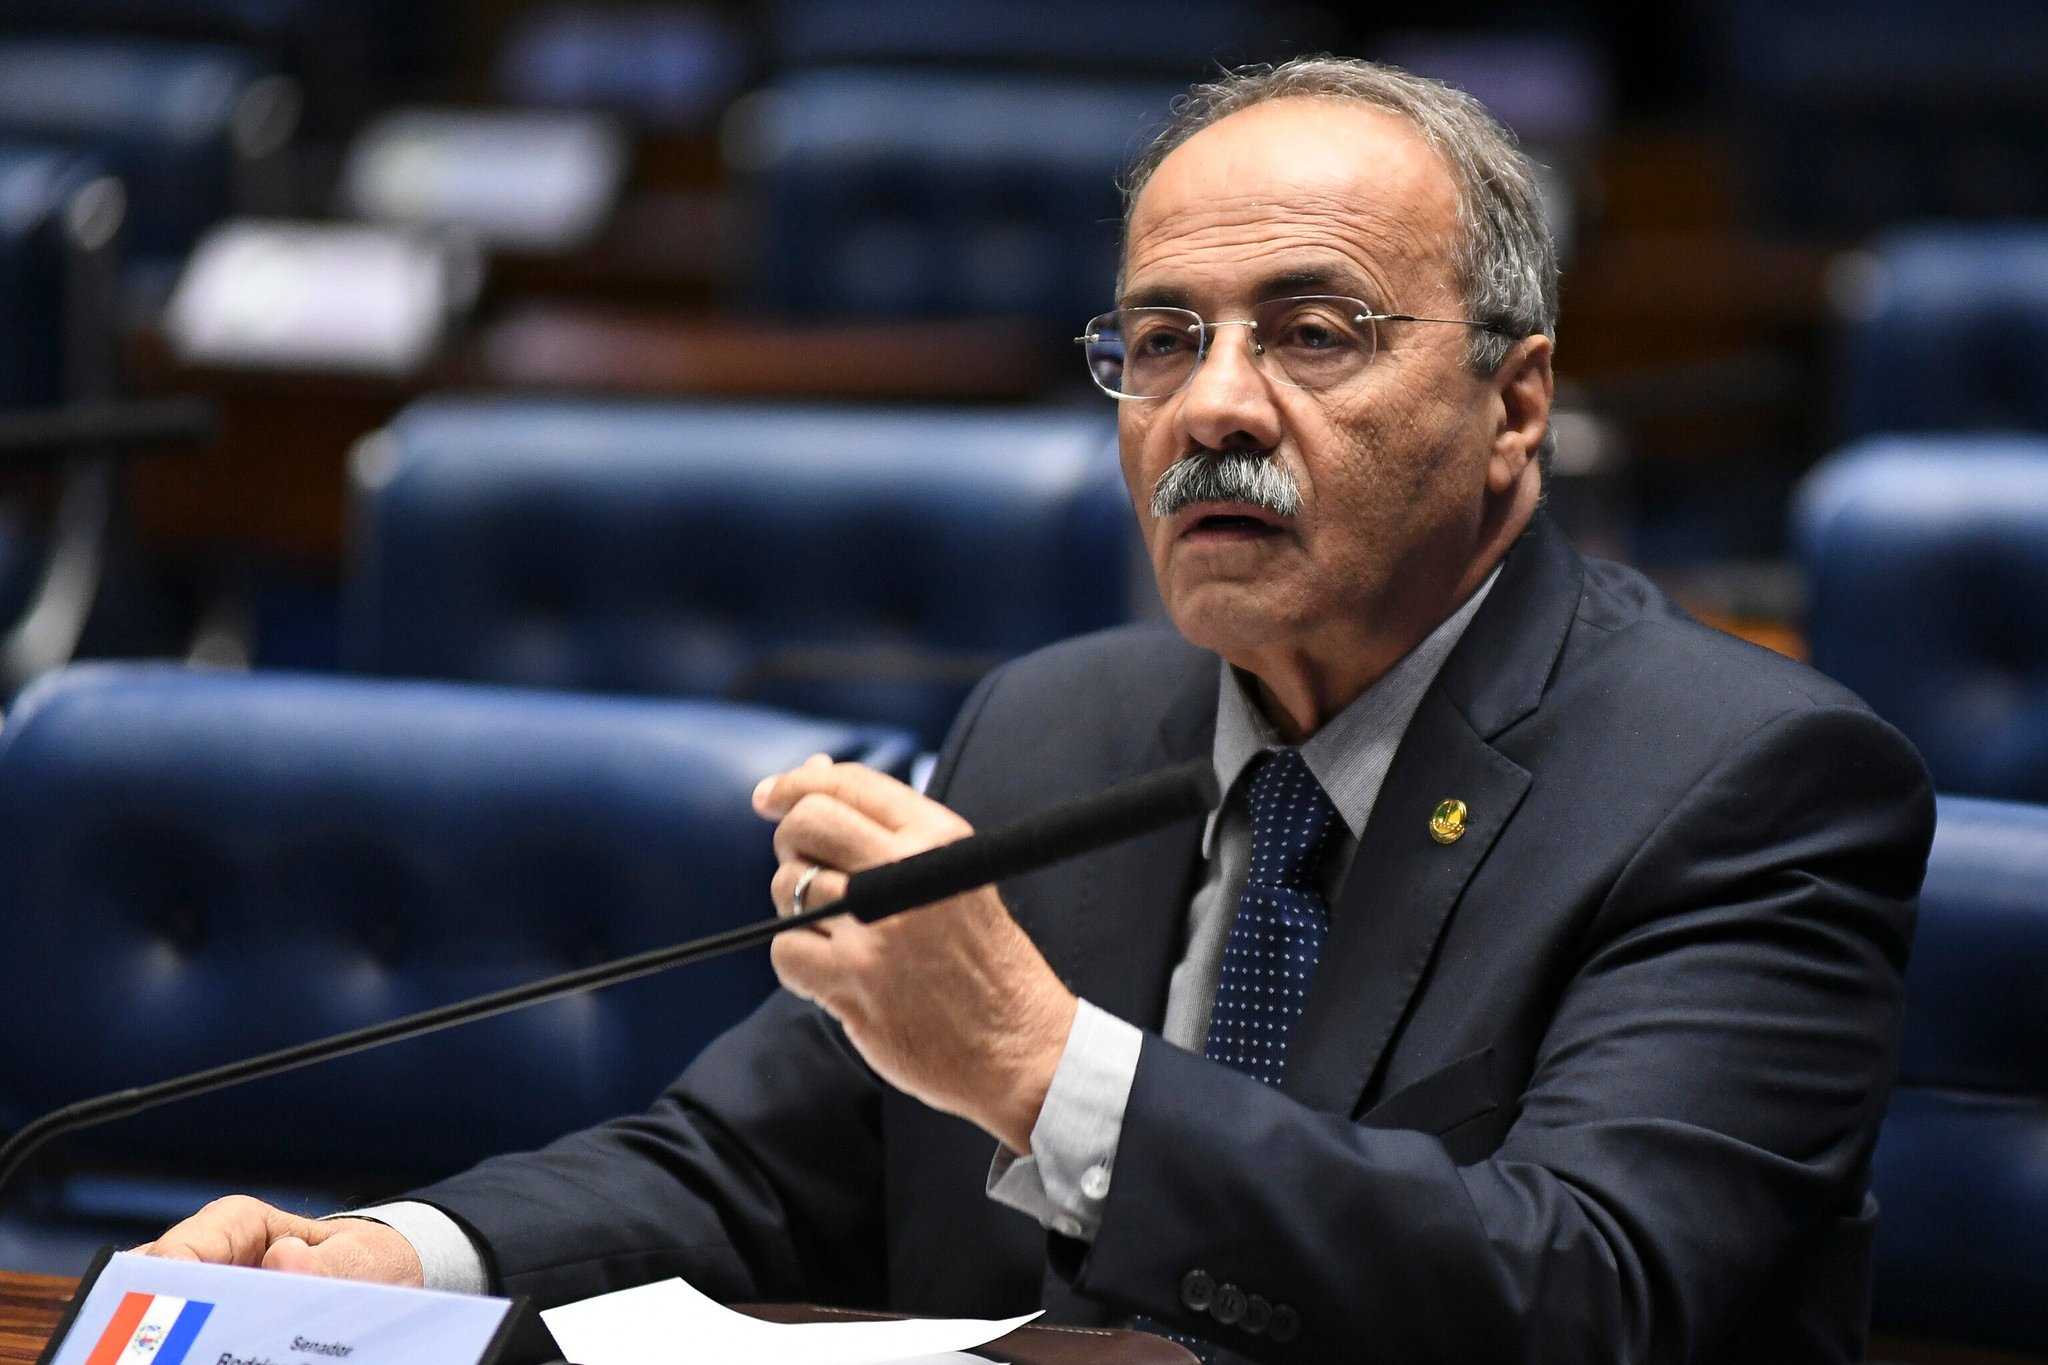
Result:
pixel 167 1251
pixel 823 829
pixel 801 962
pixel 877 795
pixel 827 886
pixel 291 1255
pixel 232 1231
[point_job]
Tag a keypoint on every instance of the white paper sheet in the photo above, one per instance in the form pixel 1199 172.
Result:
pixel 669 1321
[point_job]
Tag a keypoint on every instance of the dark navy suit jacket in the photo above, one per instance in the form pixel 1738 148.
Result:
pixel 1596 1082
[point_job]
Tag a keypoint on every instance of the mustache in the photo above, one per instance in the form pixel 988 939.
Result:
pixel 1226 476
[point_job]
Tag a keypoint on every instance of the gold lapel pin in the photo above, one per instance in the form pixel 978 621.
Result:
pixel 1447 825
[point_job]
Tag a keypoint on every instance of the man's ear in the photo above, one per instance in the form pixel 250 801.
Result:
pixel 1523 386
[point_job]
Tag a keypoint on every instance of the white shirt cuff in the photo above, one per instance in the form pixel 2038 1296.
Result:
pixel 1064 1183
pixel 449 1261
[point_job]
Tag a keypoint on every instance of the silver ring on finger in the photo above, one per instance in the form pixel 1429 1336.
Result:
pixel 803 886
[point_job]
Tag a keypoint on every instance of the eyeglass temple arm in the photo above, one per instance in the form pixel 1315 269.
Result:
pixel 1493 327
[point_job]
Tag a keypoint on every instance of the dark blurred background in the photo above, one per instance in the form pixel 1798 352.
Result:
pixel 912 203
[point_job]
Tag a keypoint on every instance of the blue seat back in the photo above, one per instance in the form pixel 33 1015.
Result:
pixel 1952 332
pixel 161 113
pixel 667 69
pixel 684 548
pixel 922 193
pixel 1961 1170
pixel 195 867
pixel 1927 560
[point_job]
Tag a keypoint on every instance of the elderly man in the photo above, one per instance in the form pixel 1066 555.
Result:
pixel 1533 994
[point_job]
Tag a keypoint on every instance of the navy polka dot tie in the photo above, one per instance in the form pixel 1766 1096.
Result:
pixel 1282 918
pixel 1276 938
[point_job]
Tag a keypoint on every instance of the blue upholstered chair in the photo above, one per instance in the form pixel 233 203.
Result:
pixel 1950 332
pixel 840 561
pixel 174 120
pixel 669 69
pixel 1961 1171
pixel 198 866
pixel 926 193
pixel 1927 559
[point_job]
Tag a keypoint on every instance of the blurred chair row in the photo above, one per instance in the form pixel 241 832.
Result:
pixel 868 563
pixel 1850 114
pixel 1925 540
pixel 1946 329
pixel 187 128
pixel 1927 561
pixel 344 53
pixel 195 865
pixel 982 182
pixel 1961 1168
pixel 865 104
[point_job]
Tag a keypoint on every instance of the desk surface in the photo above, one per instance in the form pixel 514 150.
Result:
pixel 31 1304
pixel 29 1308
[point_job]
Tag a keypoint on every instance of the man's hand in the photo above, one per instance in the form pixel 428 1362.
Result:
pixel 952 1003
pixel 239 1230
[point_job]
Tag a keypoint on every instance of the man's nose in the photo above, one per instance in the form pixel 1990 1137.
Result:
pixel 1228 402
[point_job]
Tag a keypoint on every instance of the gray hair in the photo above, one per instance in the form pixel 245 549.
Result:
pixel 1506 261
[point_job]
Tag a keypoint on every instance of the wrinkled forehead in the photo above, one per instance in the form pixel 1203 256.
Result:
pixel 1303 185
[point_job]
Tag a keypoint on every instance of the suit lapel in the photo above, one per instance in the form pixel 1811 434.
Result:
pixel 1396 900
pixel 1404 884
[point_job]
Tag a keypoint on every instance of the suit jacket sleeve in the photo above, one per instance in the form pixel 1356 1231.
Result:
pixel 757 1175
pixel 1704 1099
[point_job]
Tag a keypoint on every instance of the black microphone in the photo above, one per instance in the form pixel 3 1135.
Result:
pixel 1033 841
pixel 1059 832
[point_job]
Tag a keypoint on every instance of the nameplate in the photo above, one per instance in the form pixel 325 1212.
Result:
pixel 141 1310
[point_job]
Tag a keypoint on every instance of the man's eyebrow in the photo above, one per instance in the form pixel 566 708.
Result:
pixel 1311 281
pixel 1158 296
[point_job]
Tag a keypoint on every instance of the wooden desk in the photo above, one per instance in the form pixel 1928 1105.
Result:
pixel 31 1304
pixel 29 1308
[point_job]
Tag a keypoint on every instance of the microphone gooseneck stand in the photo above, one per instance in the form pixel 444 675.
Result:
pixel 1059 832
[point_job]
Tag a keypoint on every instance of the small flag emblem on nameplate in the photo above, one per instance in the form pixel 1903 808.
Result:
pixel 150 1329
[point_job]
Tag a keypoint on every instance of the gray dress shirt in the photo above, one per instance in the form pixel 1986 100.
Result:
pixel 1066 1178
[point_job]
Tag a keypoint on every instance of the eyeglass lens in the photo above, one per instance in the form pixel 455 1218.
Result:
pixel 1309 343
